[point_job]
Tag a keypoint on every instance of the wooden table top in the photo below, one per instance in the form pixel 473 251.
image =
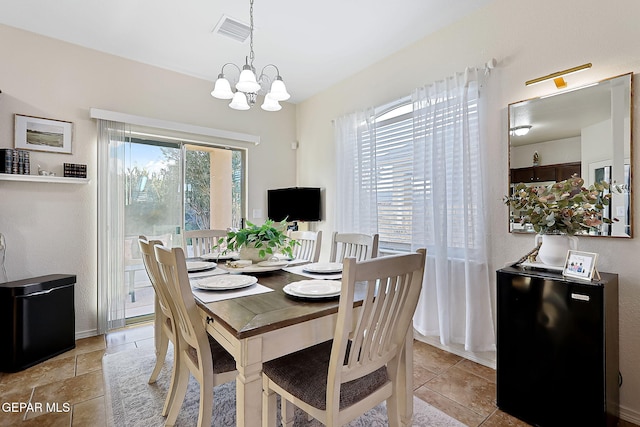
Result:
pixel 256 314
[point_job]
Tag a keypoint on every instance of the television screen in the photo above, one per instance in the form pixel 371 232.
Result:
pixel 294 204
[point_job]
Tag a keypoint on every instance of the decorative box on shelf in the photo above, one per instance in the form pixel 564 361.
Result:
pixel 74 170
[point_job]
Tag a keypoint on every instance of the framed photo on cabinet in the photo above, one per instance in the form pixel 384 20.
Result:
pixel 40 134
pixel 580 265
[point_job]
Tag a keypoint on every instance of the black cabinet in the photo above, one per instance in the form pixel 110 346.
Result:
pixel 557 358
pixel 547 173
pixel 567 170
pixel 533 174
pixel 37 320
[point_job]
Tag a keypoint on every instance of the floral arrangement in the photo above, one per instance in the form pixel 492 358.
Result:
pixel 564 207
pixel 268 238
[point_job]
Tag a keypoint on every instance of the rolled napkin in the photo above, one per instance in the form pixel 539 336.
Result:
pixel 239 263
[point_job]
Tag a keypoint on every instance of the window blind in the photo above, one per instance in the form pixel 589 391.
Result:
pixel 393 178
pixel 396 183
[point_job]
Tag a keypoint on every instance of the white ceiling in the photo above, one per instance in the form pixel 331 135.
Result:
pixel 314 44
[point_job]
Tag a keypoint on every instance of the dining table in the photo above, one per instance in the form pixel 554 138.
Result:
pixel 259 327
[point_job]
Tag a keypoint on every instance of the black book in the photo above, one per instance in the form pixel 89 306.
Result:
pixel 6 160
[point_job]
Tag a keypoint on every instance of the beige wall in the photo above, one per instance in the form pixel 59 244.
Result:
pixel 52 228
pixel 528 40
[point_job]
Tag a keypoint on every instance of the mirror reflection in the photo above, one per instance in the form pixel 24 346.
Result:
pixel 584 131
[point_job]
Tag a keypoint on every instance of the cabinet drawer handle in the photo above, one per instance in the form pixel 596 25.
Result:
pixel 580 297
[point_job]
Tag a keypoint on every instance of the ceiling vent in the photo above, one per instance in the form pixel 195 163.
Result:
pixel 234 29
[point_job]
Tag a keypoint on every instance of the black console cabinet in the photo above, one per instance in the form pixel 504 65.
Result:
pixel 557 359
pixel 37 320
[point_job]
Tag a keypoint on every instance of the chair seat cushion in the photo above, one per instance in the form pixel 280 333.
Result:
pixel 304 375
pixel 222 360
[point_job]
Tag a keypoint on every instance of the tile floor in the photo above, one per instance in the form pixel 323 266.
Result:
pixel 463 389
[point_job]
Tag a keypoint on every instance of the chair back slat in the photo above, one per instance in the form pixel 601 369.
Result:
pixel 202 240
pixel 309 244
pixel 353 245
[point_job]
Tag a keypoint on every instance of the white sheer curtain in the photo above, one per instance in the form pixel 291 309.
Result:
pixel 112 293
pixel 448 213
pixel 446 198
pixel 356 181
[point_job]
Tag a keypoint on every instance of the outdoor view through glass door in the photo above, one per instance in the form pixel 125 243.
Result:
pixel 162 200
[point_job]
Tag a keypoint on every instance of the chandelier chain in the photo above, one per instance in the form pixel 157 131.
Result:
pixel 251 54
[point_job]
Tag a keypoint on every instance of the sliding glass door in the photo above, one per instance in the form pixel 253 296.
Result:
pixel 156 185
pixel 169 187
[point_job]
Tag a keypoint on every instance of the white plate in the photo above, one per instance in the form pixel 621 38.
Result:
pixel 314 288
pixel 214 256
pixel 223 282
pixel 199 266
pixel 323 267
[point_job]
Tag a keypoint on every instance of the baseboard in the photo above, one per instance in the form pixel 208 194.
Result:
pixel 630 415
pixel 86 334
pixel 485 358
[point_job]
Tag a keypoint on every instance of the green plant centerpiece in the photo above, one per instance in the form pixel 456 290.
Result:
pixel 564 207
pixel 264 240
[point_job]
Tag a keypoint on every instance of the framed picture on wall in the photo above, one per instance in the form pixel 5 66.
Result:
pixel 40 134
pixel 580 265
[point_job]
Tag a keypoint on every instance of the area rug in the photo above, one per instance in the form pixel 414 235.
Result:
pixel 132 402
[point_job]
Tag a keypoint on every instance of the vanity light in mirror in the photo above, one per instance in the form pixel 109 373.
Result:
pixel 586 131
pixel 520 130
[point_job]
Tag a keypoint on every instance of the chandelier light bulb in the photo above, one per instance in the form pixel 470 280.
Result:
pixel 222 88
pixel 279 90
pixel 239 101
pixel 270 103
pixel 247 82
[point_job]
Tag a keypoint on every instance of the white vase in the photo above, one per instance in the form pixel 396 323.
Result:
pixel 554 248
pixel 252 253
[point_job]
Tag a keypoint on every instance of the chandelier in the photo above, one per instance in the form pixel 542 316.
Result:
pixel 249 86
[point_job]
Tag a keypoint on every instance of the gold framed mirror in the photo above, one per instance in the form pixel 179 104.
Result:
pixel 584 131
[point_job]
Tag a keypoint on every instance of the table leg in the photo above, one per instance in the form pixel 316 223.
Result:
pixel 249 384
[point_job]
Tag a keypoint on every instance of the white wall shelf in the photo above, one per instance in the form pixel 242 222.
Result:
pixel 42 178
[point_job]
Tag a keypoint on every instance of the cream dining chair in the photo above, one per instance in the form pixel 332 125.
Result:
pixel 358 245
pixel 164 324
pixel 337 381
pixel 309 244
pixel 202 240
pixel 197 352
